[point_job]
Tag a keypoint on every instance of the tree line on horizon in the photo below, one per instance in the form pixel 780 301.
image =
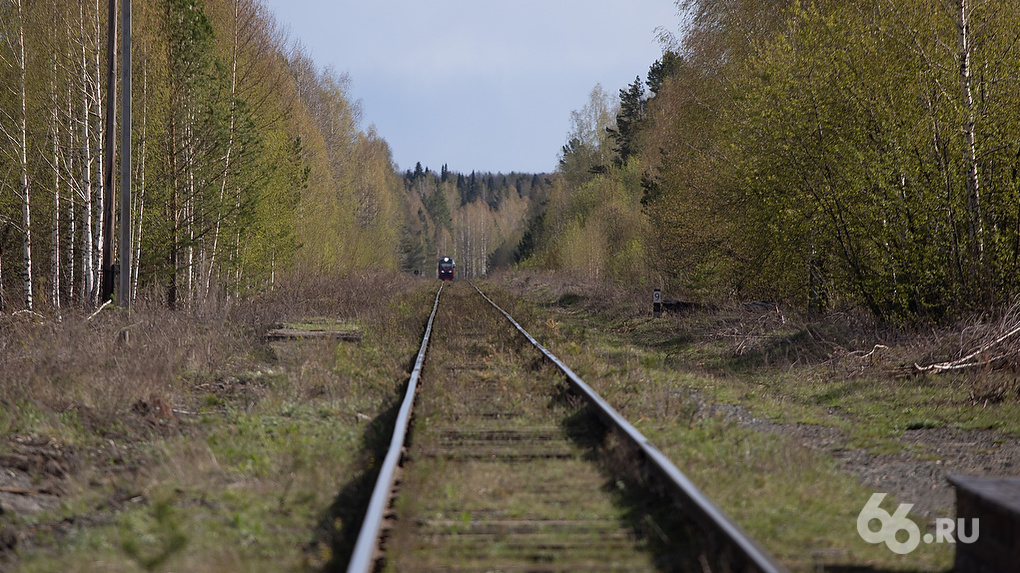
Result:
pixel 825 153
pixel 478 219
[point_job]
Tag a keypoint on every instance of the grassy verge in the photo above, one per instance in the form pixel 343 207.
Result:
pixel 694 383
pixel 194 444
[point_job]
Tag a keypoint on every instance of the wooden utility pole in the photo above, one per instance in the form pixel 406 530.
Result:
pixel 109 152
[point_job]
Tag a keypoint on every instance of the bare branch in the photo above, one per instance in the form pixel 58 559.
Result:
pixel 976 357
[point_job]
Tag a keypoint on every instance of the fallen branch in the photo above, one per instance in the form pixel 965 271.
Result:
pixel 99 310
pixel 861 353
pixel 30 313
pixel 968 361
pixel 23 491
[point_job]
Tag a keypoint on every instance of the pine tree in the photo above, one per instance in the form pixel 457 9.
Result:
pixel 662 70
pixel 628 120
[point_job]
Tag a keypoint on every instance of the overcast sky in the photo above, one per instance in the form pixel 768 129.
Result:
pixel 480 85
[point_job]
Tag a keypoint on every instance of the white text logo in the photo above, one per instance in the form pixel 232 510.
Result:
pixel 891 525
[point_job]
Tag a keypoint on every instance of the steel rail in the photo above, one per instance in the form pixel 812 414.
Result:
pixel 363 557
pixel 751 556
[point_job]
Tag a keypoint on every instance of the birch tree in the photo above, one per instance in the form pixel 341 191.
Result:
pixel 250 157
pixel 25 192
pixel 975 226
pixel 15 132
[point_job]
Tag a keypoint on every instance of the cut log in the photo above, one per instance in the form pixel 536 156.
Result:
pixel 294 334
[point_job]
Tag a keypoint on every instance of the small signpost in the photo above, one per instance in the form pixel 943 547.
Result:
pixel 657 303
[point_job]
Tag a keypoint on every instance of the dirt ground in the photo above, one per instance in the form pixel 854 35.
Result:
pixel 38 472
pixel 910 478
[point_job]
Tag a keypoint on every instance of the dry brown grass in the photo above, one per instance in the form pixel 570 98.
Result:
pixel 105 365
pixel 983 348
pixel 196 412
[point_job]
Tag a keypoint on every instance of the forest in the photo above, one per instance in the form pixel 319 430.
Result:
pixel 827 154
pixel 248 159
pixel 479 219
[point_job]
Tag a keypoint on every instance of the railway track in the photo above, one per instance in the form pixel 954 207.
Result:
pixel 502 459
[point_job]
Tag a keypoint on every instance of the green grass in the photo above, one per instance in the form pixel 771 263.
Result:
pixel 661 373
pixel 872 405
pixel 797 502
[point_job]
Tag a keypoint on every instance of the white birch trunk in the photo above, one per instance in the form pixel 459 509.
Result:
pixel 55 257
pixel 485 243
pixel 97 102
pixel 189 209
pixel 976 227
pixel 140 209
pixel 26 198
pixel 226 161
pixel 70 167
pixel 88 286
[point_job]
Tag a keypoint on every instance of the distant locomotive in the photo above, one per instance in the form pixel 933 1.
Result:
pixel 446 269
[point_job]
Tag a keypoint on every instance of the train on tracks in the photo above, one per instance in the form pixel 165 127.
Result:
pixel 446 269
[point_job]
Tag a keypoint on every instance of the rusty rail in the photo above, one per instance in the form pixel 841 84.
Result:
pixel 727 545
pixel 365 549
pixel 732 548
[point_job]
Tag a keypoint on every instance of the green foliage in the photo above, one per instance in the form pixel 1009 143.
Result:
pixel 663 69
pixel 593 224
pixel 247 159
pixel 439 210
pixel 588 150
pixel 189 36
pixel 478 219
pixel 150 541
pixel 628 120
pixel 848 148
pixel 815 153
